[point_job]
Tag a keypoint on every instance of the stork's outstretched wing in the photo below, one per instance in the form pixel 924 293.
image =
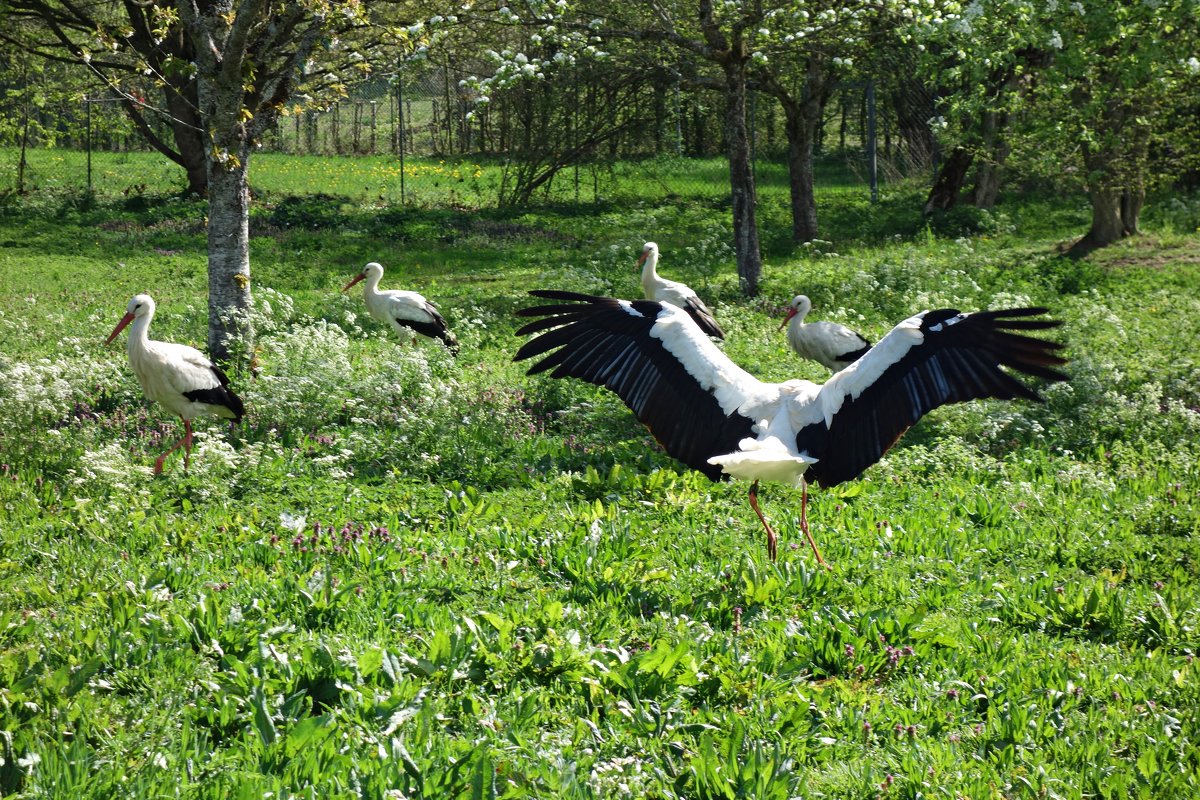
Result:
pixel 680 385
pixel 929 360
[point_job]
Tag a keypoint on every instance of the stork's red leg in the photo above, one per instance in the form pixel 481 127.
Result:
pixel 772 539
pixel 187 446
pixel 186 440
pixel 804 526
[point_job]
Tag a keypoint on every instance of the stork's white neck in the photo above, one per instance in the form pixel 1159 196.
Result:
pixel 139 334
pixel 650 270
pixel 801 312
pixel 371 283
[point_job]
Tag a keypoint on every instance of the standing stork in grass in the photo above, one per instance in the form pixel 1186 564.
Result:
pixel 832 345
pixel 717 418
pixel 406 312
pixel 178 377
pixel 674 293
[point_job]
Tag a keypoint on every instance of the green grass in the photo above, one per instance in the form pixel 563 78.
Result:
pixel 427 182
pixel 136 175
pixel 409 576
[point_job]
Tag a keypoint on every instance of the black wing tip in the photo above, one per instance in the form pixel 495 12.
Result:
pixel 1019 318
pixel 563 294
pixel 528 350
pixel 1028 354
pixel 546 311
pixel 220 397
pixel 704 318
pixel 710 327
pixel 848 358
pixel 237 407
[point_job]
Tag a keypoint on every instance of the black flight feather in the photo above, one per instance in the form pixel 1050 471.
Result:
pixel 609 344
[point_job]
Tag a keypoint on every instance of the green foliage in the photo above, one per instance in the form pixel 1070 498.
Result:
pixel 412 575
pixel 964 220
pixel 311 212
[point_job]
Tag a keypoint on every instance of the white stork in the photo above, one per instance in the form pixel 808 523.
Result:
pixel 674 293
pixel 828 343
pixel 718 419
pixel 179 377
pixel 401 309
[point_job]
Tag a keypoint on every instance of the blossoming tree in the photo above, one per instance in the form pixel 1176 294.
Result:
pixel 1087 85
pixel 249 54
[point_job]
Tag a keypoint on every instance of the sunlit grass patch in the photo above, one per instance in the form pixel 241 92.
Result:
pixel 406 574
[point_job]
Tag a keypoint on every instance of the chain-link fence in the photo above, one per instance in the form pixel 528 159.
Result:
pixel 417 137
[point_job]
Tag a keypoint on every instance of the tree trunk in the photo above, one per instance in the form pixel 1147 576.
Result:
pixel 995 151
pixel 1107 225
pixel 987 186
pixel 660 116
pixel 741 179
pixel 1132 200
pixel 189 138
pixel 244 74
pixel 228 260
pixel 800 125
pixel 1116 202
pixel 950 181
pixel 221 101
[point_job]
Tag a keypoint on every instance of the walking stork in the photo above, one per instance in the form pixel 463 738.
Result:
pixel 178 377
pixel 829 344
pixel 402 310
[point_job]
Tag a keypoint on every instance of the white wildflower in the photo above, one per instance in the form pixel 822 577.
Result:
pixel 292 522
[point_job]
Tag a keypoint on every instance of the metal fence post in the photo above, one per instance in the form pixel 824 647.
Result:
pixel 872 150
pixel 87 104
pixel 357 122
pixel 678 115
pixel 400 123
pixel 337 134
pixel 575 128
pixel 936 155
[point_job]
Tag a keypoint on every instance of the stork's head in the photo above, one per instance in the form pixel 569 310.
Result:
pixel 799 307
pixel 648 249
pixel 142 305
pixel 374 270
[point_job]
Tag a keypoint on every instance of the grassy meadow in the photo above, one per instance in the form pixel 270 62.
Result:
pixel 405 575
pixel 382 180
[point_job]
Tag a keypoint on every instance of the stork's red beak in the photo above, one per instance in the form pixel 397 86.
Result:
pixel 125 320
pixel 642 257
pixel 791 312
pixel 355 280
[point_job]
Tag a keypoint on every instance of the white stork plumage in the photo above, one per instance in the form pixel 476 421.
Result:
pixel 178 377
pixel 674 293
pixel 828 343
pixel 404 311
pixel 718 419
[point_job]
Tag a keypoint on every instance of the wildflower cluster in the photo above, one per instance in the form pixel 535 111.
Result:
pixel 332 540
